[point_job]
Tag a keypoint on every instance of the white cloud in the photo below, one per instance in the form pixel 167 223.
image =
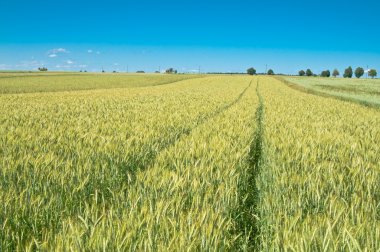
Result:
pixel 115 64
pixel 82 66
pixel 57 51
pixel 63 66
pixel 90 51
pixel 69 62
pixel 53 53
pixel 97 52
pixel 60 50
pixel 33 63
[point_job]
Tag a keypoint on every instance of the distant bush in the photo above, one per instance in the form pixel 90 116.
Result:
pixel 171 71
pixel 325 73
pixel 359 72
pixel 372 73
pixel 140 71
pixel 42 69
pixel 336 73
pixel 270 72
pixel 348 72
pixel 251 71
pixel 301 73
pixel 309 72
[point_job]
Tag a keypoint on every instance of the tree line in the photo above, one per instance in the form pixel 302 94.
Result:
pixel 348 73
pixel 252 71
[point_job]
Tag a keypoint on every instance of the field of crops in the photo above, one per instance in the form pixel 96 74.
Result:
pixel 52 82
pixel 218 163
pixel 363 91
pixel 321 183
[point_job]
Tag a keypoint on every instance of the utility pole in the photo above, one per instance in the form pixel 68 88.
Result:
pixel 367 71
pixel 199 70
pixel 266 68
pixel 159 69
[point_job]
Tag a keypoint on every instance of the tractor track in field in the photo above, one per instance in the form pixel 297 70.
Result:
pixel 127 179
pixel 140 165
pixel 247 217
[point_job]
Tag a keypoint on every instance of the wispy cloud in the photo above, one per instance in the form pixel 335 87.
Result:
pixel 32 63
pixel 90 51
pixel 70 62
pixel 63 66
pixel 97 52
pixel 53 53
pixel 59 50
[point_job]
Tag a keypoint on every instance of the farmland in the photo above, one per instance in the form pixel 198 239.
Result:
pixel 61 81
pixel 184 163
pixel 322 178
pixel 363 91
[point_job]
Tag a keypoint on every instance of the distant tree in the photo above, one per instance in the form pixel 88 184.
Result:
pixel 251 71
pixel 309 72
pixel 42 69
pixel 359 72
pixel 348 72
pixel 301 73
pixel 170 71
pixel 85 71
pixel 372 73
pixel 325 73
pixel 270 72
pixel 335 73
pixel 140 71
pixel 114 71
pixel 103 71
pixel 175 71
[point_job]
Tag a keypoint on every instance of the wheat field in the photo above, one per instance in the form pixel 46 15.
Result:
pixel 178 163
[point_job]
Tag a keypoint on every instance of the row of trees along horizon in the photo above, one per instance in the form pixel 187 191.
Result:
pixel 252 71
pixel 348 73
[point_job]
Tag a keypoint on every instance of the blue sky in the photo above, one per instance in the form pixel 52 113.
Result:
pixel 215 35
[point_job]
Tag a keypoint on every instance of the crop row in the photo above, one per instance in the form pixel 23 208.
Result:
pixel 101 169
pixel 320 186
